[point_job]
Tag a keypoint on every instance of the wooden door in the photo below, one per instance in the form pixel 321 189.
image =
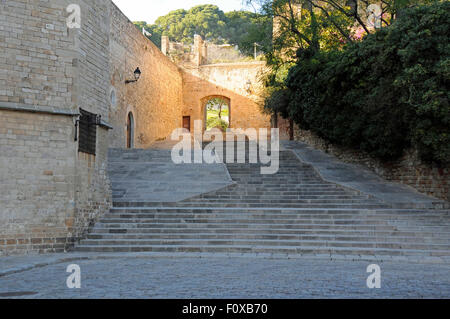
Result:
pixel 187 123
pixel 130 130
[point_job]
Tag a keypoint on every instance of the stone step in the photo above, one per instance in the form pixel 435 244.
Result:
pixel 287 197
pixel 390 213
pixel 303 250
pixel 297 189
pixel 284 165
pixel 284 182
pixel 272 226
pixel 275 179
pixel 120 196
pixel 244 242
pixel 424 219
pixel 283 169
pixel 123 185
pixel 264 226
pixel 253 220
pixel 265 236
pixel 167 158
pixel 289 218
pixel 261 200
pixel 248 205
pixel 282 173
pixel 285 188
pixel 294 192
pixel 293 211
pixel 443 212
pixel 299 192
pixel 276 231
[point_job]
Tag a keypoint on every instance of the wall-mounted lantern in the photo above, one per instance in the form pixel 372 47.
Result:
pixel 248 86
pixel 137 76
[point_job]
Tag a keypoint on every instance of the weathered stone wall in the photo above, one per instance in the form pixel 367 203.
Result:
pixel 91 66
pixel 224 54
pixel 155 100
pixel 50 193
pixel 201 81
pixel 37 178
pixel 286 127
pixel 408 170
pixel 228 80
pixel 201 52
pixel 36 52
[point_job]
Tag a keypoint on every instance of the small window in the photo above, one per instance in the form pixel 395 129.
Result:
pixel 87 142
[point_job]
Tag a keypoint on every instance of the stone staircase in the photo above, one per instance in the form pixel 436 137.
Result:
pixel 293 212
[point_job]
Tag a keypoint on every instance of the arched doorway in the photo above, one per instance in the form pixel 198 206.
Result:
pixel 130 130
pixel 217 112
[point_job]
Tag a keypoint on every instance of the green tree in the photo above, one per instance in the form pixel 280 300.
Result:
pixel 240 28
pixel 153 29
pixel 316 26
pixel 299 25
pixel 181 25
pixel 246 28
pixel 383 94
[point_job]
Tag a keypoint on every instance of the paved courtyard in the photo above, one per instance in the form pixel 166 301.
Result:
pixel 254 278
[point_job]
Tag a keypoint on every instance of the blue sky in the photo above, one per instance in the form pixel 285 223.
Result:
pixel 150 10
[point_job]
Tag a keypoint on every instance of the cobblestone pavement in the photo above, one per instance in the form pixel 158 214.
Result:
pixel 256 278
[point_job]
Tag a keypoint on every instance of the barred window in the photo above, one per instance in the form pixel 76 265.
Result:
pixel 87 141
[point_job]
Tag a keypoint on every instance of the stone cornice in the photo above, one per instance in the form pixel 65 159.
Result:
pixel 17 107
pixel 7 106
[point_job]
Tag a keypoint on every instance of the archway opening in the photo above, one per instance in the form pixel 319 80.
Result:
pixel 130 130
pixel 217 113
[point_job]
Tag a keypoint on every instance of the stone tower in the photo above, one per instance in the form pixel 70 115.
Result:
pixel 165 44
pixel 200 50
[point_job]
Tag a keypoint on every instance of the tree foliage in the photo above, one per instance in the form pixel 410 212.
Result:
pixel 246 28
pixel 383 94
pixel 240 28
pixel 301 24
pixel 320 25
pixel 153 29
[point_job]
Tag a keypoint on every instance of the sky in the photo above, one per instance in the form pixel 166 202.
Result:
pixel 150 10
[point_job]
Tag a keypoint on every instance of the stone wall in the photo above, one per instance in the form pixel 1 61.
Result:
pixel 91 88
pixel 50 193
pixel 37 178
pixel 228 80
pixel 202 52
pixel 286 127
pixel 408 170
pixel 36 53
pixel 201 81
pixel 155 100
pixel 225 54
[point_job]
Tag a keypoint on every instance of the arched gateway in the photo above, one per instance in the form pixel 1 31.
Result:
pixel 216 112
